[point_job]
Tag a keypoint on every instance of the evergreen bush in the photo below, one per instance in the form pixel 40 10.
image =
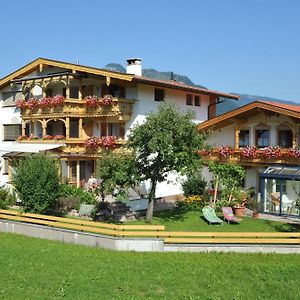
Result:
pixel 37 181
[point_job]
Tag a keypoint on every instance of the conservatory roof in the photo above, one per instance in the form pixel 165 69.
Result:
pixel 278 172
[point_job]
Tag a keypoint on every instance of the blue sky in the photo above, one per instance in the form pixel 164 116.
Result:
pixel 249 46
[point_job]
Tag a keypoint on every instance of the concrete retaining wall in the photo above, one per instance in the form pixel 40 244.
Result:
pixel 132 244
pixel 82 238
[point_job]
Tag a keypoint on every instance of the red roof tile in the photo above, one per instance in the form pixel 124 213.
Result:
pixel 183 86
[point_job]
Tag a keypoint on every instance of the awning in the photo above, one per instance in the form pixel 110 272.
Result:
pixel 20 149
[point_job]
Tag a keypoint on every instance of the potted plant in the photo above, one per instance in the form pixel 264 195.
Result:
pixel 240 200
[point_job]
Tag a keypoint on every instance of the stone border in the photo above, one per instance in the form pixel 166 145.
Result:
pixel 132 244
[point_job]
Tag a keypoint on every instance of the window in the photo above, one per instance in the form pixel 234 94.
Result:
pixel 244 138
pixel 159 95
pixel 285 138
pixel 74 128
pixel 74 92
pixel 113 129
pixel 189 99
pixel 11 132
pixel 262 138
pixel 116 91
pixel 197 101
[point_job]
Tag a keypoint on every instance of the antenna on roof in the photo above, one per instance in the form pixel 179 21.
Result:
pixel 77 61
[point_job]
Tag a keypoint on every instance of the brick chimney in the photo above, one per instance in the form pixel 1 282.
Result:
pixel 134 66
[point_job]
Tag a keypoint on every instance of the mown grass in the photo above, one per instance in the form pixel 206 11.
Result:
pixel 40 269
pixel 178 220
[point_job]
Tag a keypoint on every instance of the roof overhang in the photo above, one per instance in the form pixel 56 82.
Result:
pixel 39 63
pixel 246 111
pixel 173 84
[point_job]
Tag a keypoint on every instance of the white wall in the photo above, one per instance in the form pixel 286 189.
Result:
pixel 144 94
pixel 223 136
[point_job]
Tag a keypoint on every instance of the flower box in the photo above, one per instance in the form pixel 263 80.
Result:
pixel 226 151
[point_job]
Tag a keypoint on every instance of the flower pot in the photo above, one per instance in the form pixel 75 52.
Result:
pixel 239 211
pixel 255 214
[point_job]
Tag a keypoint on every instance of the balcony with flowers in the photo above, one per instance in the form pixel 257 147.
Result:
pixel 252 155
pixel 60 106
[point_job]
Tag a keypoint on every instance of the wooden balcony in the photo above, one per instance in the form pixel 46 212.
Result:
pixel 121 108
pixel 74 146
pixel 260 159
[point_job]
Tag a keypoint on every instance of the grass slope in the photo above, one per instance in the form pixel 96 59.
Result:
pixel 193 221
pixel 40 269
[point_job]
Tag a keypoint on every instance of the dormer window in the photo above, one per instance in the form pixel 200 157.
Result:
pixel 159 95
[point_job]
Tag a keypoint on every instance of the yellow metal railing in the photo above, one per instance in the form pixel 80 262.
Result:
pixel 155 231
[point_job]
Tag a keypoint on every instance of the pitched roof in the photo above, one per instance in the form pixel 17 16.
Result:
pixel 182 86
pixel 74 67
pixel 113 74
pixel 248 110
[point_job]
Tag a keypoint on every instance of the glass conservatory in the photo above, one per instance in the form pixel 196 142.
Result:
pixel 280 190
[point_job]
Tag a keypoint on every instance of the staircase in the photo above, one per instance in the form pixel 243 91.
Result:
pixel 120 211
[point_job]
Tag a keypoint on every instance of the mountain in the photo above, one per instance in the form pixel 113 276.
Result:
pixel 223 107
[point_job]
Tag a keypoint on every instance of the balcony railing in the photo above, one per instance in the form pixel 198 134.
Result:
pixel 252 156
pixel 74 107
pixel 78 145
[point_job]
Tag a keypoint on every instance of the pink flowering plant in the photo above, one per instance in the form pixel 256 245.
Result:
pixel 23 137
pixel 43 102
pixel 249 152
pixel 271 152
pixel 59 137
pixel 20 103
pixel 57 100
pixel 33 137
pixel 293 152
pixel 105 141
pixel 226 151
pixel 92 143
pixel 108 141
pixel 91 101
pixel 47 137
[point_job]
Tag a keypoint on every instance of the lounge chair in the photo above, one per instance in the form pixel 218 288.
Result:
pixel 210 215
pixel 229 216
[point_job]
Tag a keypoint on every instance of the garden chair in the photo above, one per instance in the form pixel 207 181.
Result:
pixel 210 215
pixel 229 216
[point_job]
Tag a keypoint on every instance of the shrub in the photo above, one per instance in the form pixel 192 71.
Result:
pixel 36 180
pixel 6 198
pixel 68 190
pixel 194 202
pixel 194 185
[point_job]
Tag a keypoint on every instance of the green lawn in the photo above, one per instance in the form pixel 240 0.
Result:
pixel 193 221
pixel 40 269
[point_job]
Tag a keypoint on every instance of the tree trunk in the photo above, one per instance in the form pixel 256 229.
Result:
pixel 216 189
pixel 151 201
